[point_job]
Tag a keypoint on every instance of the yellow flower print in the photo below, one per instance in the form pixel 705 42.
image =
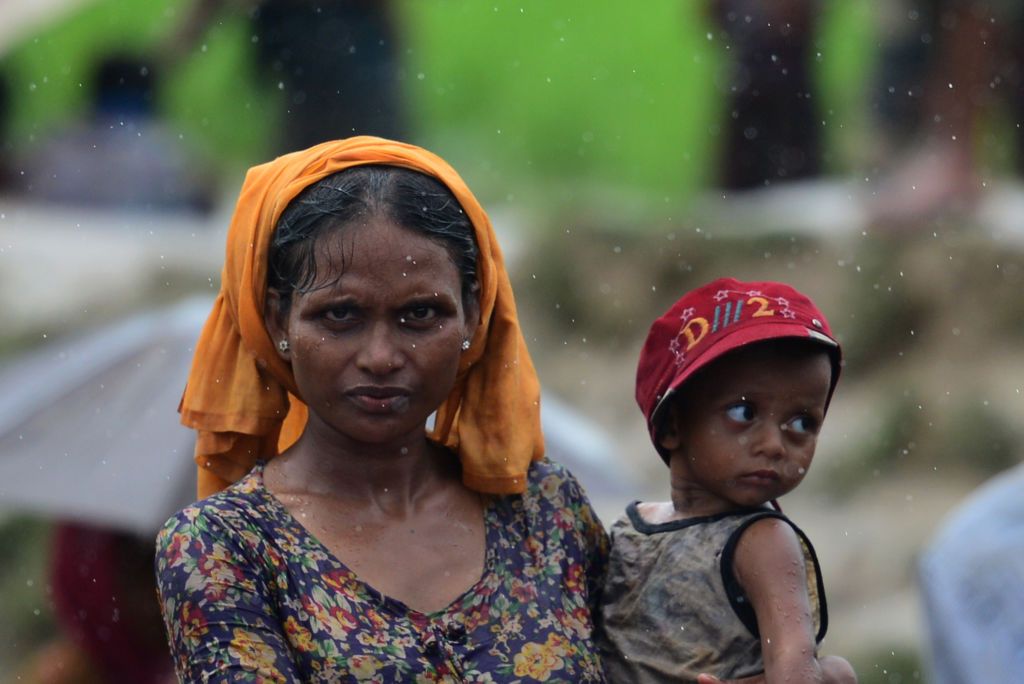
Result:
pixel 299 637
pixel 537 661
pixel 550 486
pixel 252 653
pixel 363 667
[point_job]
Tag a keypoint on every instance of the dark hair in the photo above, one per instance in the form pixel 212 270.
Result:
pixel 411 199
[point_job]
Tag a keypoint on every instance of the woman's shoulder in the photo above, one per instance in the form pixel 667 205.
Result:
pixel 227 513
pixel 553 494
pixel 549 480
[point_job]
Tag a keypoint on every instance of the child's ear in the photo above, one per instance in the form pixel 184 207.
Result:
pixel 669 436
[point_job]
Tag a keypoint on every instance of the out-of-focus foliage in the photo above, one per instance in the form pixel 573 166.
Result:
pixel 24 601
pixel 893 666
pixel 514 93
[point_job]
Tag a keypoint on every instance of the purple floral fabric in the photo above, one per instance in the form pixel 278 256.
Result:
pixel 248 595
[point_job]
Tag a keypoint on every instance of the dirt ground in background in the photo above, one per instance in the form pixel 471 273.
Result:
pixel 61 270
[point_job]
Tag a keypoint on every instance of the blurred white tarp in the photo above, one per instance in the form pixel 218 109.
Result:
pixel 89 427
pixel 972 583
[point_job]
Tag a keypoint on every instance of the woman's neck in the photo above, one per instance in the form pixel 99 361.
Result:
pixel 392 476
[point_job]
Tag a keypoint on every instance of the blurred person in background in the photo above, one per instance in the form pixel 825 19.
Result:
pixel 335 61
pixel 108 619
pixel 772 132
pixel 946 66
pixel 6 161
pixel 121 155
pixel 971 577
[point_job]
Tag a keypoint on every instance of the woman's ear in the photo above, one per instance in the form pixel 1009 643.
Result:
pixel 275 318
pixel 471 310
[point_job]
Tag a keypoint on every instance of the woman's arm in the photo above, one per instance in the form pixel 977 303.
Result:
pixel 216 607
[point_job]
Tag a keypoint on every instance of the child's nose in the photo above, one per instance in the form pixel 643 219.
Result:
pixel 770 441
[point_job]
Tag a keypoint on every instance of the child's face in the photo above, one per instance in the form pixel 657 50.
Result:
pixel 744 429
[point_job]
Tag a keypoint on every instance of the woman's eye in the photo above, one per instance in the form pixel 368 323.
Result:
pixel 339 313
pixel 803 425
pixel 741 413
pixel 421 312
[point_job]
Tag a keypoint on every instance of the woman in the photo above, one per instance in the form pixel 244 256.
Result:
pixel 364 291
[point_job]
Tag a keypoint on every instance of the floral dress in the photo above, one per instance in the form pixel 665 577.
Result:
pixel 248 595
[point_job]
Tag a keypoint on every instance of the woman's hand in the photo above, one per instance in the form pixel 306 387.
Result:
pixel 836 670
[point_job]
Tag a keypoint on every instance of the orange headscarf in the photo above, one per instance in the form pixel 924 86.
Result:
pixel 241 396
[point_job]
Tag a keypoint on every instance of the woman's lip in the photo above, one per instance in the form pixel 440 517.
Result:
pixel 379 400
pixel 377 391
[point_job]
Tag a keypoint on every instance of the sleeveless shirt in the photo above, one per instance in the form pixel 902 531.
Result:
pixel 672 608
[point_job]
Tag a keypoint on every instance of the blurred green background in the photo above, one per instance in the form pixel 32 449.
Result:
pixel 587 91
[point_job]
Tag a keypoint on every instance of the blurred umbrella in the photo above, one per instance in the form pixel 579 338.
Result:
pixel 89 429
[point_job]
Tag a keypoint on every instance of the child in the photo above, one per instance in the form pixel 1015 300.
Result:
pixel 734 381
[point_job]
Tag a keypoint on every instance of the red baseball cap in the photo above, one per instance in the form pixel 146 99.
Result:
pixel 715 319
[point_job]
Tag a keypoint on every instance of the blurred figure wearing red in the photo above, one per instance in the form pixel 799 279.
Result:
pixel 104 598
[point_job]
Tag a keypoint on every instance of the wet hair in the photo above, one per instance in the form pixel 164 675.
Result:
pixel 409 198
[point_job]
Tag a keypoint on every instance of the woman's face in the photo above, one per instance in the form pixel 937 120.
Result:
pixel 376 346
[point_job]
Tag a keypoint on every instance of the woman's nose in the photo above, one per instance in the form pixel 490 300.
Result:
pixel 379 353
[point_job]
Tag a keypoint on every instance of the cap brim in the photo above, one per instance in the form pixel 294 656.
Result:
pixel 736 339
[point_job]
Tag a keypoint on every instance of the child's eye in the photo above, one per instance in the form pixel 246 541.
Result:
pixel 803 425
pixel 741 412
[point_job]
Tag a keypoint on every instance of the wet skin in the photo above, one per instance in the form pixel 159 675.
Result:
pixel 375 349
pixel 745 430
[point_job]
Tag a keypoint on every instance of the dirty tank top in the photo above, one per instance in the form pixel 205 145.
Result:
pixel 672 608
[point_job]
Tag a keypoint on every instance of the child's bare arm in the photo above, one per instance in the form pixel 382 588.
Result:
pixel 770 567
pixel 835 669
